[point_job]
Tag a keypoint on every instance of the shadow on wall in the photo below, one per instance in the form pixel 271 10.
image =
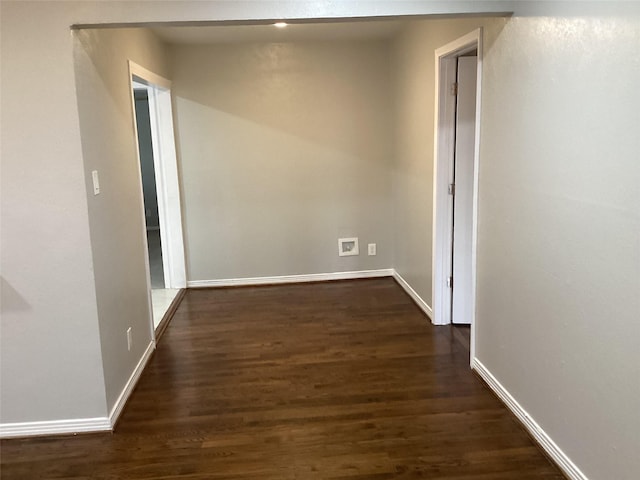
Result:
pixel 10 299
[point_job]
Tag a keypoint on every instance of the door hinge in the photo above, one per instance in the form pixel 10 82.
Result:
pixel 452 189
pixel 454 88
pixel 450 282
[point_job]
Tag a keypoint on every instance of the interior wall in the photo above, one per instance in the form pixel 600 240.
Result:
pixel 558 246
pixel 414 67
pixel 115 215
pixel 48 299
pixel 559 230
pixel 284 148
pixel 51 365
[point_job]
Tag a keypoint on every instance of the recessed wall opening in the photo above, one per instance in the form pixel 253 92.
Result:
pixel 458 66
pixel 289 139
pixel 281 141
pixel 161 296
pixel 159 184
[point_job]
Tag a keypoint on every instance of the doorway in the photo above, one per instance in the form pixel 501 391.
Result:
pixel 457 122
pixel 153 124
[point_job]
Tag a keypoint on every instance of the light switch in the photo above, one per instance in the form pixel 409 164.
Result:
pixel 96 182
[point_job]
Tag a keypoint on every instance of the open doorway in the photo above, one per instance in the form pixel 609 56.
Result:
pixel 149 189
pixel 457 122
pixel 161 198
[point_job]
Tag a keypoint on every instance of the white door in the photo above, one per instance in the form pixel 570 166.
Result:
pixel 463 195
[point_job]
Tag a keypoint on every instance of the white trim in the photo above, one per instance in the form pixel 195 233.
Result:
pixel 313 277
pixel 131 384
pixel 476 187
pixel 342 250
pixel 166 171
pixel 442 204
pixel 167 181
pixel 548 445
pixel 132 83
pixel 424 306
pixel 444 144
pixel 54 427
pixel 148 76
pixel 81 425
pixel 317 277
pixel 444 129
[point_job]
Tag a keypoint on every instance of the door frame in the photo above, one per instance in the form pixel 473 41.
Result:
pixel 167 178
pixel 444 145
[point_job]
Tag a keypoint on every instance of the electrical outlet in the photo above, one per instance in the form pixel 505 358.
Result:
pixel 372 249
pixel 129 338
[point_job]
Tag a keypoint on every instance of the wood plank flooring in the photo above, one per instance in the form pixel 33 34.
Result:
pixel 339 380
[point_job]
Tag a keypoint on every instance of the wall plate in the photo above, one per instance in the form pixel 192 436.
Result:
pixel 348 246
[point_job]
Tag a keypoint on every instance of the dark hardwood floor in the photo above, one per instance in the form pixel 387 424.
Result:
pixel 339 380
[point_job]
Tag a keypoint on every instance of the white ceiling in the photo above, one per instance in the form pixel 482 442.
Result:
pixel 358 30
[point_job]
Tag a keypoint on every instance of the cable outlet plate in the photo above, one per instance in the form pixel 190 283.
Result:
pixel 348 246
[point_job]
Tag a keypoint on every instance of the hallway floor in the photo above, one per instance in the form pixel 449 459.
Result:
pixel 161 297
pixel 338 380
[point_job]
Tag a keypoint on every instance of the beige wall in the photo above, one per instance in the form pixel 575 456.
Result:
pixel 559 218
pixel 558 249
pixel 51 365
pixel 414 66
pixel 50 360
pixel 116 218
pixel 559 231
pixel 284 148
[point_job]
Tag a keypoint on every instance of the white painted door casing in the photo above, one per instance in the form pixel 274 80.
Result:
pixel 462 302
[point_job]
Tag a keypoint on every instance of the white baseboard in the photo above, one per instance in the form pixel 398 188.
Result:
pixel 54 427
pixel 131 384
pixel 80 425
pixel 414 295
pixel 98 424
pixel 313 277
pixel 549 446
